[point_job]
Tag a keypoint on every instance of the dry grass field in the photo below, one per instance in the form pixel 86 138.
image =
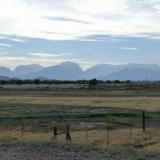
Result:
pixel 148 141
pixel 26 105
pixel 140 103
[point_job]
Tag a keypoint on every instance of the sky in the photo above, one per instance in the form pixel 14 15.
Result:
pixel 88 32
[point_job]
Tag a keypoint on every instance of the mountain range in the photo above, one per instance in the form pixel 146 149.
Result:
pixel 72 71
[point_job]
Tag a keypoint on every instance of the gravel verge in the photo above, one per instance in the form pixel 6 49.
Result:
pixel 48 151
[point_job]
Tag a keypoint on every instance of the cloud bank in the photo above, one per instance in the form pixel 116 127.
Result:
pixel 88 32
pixel 75 19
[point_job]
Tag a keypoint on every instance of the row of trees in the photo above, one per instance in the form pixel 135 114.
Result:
pixel 92 82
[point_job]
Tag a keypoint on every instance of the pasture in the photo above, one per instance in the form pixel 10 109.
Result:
pixel 139 103
pixel 97 117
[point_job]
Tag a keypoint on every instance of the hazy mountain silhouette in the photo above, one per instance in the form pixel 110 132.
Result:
pixel 135 74
pixel 72 71
pixel 4 78
pixel 23 70
pixel 102 70
pixel 6 72
pixel 146 66
pixel 63 71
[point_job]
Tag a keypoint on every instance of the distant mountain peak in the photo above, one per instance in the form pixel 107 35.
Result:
pixel 135 74
pixel 4 78
pixel 6 72
pixel 72 71
pixel 28 66
pixel 26 69
pixel 68 63
pixel 63 71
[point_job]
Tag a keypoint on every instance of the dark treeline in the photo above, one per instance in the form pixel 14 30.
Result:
pixel 37 81
pixel 90 82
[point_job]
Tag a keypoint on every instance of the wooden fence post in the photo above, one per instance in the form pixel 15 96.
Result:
pixel 86 131
pixel 55 133
pixel 22 131
pixel 68 136
pixel 130 133
pixel 131 128
pixel 107 133
pixel 143 121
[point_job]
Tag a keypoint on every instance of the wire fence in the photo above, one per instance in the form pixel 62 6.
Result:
pixel 135 128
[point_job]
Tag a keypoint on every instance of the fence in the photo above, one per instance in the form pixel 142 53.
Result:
pixel 95 129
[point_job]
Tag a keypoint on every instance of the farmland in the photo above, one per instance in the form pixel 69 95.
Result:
pixel 140 103
pixel 104 117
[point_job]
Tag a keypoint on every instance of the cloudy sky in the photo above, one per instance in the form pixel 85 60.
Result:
pixel 88 32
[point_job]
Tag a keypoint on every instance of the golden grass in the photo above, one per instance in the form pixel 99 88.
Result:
pixel 147 141
pixel 145 103
pixel 153 148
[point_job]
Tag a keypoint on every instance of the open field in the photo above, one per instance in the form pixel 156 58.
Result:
pixel 37 110
pixel 83 90
pixel 121 142
pixel 139 103
pixel 122 137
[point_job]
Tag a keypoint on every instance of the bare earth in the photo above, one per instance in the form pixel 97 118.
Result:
pixel 47 152
pixel 56 152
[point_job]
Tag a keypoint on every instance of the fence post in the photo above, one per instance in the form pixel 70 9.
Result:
pixel 143 121
pixel 131 127
pixel 130 133
pixel 22 131
pixel 86 131
pixel 107 133
pixel 55 133
pixel 68 136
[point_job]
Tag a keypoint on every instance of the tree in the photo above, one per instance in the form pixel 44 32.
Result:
pixel 18 82
pixel 3 82
pixel 93 82
pixel 108 82
pixel 117 82
pixel 37 82
pixel 128 81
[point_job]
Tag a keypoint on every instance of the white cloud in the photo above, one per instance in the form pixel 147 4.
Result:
pixel 114 17
pixel 49 55
pixel 129 48
pixel 98 6
pixel 19 39
pixel 5 45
